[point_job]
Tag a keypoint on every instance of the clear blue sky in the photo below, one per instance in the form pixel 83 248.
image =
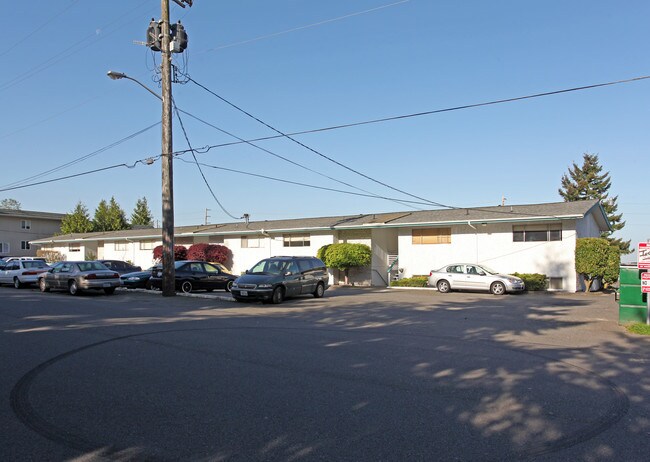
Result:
pixel 301 65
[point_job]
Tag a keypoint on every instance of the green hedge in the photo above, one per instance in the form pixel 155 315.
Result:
pixel 533 281
pixel 416 281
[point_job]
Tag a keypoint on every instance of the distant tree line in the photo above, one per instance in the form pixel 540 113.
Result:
pixel 108 216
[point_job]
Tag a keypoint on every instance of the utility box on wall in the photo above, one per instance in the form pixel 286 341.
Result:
pixel 632 303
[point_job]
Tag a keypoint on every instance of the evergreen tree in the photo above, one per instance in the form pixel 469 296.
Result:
pixel 141 215
pixel 116 216
pixel 77 221
pixel 101 220
pixel 587 182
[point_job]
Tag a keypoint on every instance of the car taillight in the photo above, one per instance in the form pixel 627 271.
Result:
pixel 115 275
pixel 90 276
pixel 30 273
pixel 430 273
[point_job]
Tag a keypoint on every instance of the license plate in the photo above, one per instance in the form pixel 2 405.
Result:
pixel 244 293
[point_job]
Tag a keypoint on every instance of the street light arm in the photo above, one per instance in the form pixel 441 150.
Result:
pixel 114 75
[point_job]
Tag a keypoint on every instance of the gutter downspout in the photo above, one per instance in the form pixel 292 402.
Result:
pixel 469 223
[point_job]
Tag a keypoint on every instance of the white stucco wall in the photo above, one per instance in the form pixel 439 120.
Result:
pixel 493 246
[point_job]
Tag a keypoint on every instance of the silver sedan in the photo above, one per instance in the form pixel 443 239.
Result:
pixel 469 276
pixel 75 276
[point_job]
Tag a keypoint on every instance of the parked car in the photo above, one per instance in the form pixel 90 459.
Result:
pixel 21 272
pixel 469 276
pixel 75 276
pixel 194 275
pixel 274 279
pixel 120 266
pixel 138 279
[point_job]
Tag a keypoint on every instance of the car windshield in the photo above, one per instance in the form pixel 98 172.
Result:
pixel 270 267
pixel 488 270
pixel 91 266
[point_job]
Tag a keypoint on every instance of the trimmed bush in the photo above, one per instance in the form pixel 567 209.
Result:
pixel 415 281
pixel 180 253
pixel 209 252
pixel 533 281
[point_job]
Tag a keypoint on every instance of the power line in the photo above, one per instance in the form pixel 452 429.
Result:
pixel 178 115
pixel 82 158
pixel 264 150
pixel 306 185
pixel 314 150
pixel 320 23
pixel 435 111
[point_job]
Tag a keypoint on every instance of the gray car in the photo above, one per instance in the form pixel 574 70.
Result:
pixel 470 276
pixel 75 276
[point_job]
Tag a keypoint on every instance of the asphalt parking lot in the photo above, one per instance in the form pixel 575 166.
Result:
pixel 361 374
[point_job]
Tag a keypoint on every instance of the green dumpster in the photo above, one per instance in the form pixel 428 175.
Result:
pixel 632 304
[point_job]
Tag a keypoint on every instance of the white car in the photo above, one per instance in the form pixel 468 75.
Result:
pixel 21 272
pixel 469 276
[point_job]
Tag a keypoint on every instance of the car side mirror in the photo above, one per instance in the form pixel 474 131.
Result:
pixel 246 272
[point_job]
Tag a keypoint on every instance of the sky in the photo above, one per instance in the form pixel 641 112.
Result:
pixel 305 65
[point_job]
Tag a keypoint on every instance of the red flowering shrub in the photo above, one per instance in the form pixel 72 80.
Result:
pixel 209 252
pixel 180 253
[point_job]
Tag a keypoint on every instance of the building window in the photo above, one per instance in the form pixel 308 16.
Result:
pixel 147 245
pixel 120 246
pixel 74 247
pixel 4 247
pixel 250 242
pixel 24 245
pixel 431 236
pixel 296 240
pixel 25 224
pixel 556 283
pixel 537 233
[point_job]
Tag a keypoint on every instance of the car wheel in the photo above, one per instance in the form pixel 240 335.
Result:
pixel 147 285
pixel 186 287
pixel 278 296
pixel 109 290
pixel 320 290
pixel 498 288
pixel 73 288
pixel 229 286
pixel 43 285
pixel 17 283
pixel 443 287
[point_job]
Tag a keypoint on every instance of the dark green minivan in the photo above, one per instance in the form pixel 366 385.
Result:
pixel 274 279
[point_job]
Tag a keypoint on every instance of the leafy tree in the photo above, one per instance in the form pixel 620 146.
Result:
pixel 180 252
pixel 141 215
pixel 12 204
pixel 587 182
pixel 345 256
pixel 209 252
pixel 597 259
pixel 77 221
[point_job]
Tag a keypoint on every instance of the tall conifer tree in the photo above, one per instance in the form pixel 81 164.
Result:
pixel 588 182
pixel 141 215
pixel 77 221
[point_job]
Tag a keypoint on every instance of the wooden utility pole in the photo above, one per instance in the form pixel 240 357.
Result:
pixel 169 272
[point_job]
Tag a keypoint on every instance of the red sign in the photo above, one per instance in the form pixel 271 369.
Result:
pixel 643 257
pixel 645 283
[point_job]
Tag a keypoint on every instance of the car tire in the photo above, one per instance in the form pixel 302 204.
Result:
pixel 43 285
pixel 186 287
pixel 443 286
pixel 147 285
pixel 17 283
pixel 320 290
pixel 109 290
pixel 229 286
pixel 498 288
pixel 278 296
pixel 73 288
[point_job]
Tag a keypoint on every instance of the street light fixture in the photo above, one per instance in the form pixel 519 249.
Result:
pixel 169 272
